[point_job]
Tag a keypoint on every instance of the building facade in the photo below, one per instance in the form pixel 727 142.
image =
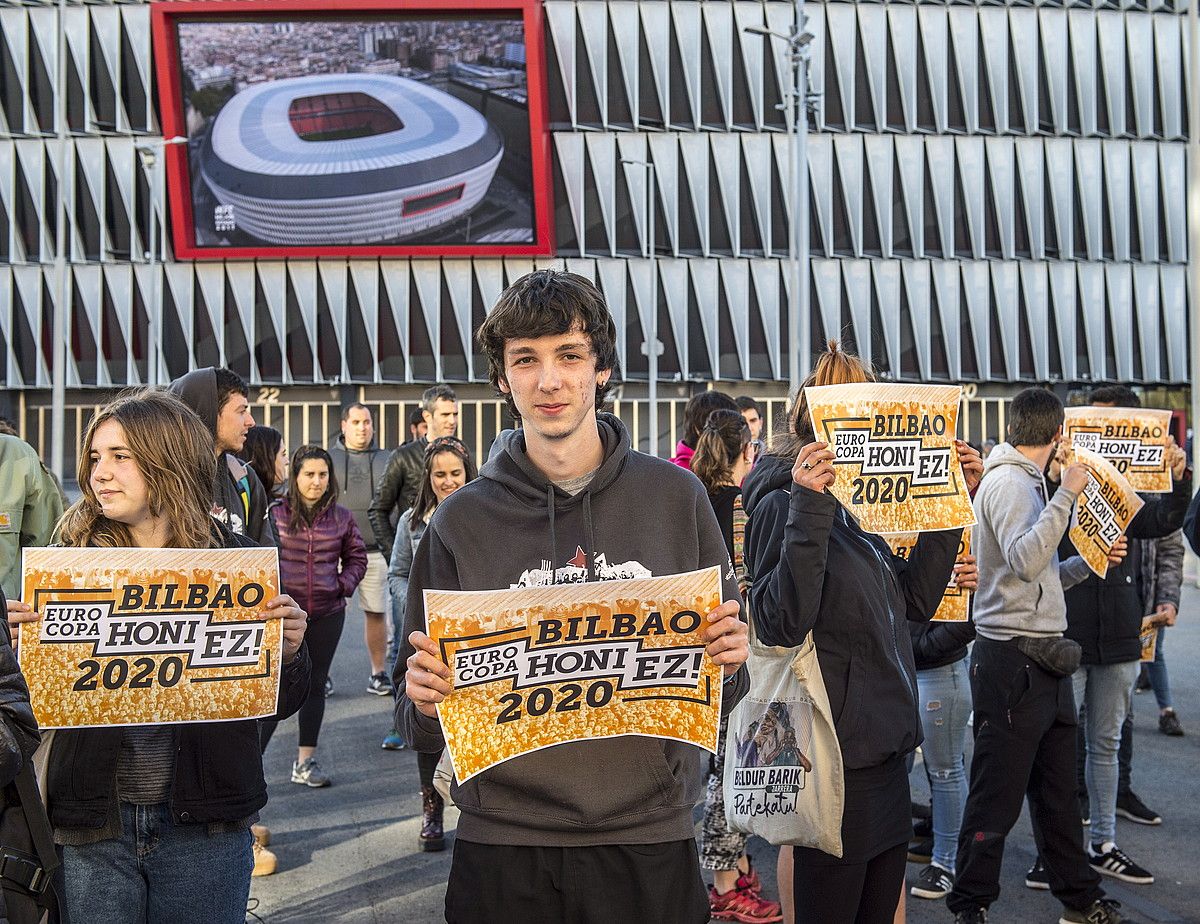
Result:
pixel 998 196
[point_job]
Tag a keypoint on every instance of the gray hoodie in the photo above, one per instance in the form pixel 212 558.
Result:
pixel 1021 579
pixel 355 470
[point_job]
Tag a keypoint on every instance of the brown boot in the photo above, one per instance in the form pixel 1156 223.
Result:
pixel 432 836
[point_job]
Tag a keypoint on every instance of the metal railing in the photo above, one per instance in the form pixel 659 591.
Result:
pixel 480 421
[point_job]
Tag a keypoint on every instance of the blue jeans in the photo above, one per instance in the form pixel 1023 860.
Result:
pixel 158 872
pixel 1104 690
pixel 945 700
pixel 1157 672
pixel 397 638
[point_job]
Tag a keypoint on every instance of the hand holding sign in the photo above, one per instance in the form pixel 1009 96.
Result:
pixel 972 463
pixel 1075 477
pixel 1176 459
pixel 727 636
pixel 295 623
pixel 427 678
pixel 966 573
pixel 814 467
pixel 1117 553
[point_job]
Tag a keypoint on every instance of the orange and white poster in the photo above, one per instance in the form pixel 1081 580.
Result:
pixel 150 636
pixel 536 667
pixel 1149 639
pixel 1103 510
pixel 955 605
pixel 894 455
pixel 1133 439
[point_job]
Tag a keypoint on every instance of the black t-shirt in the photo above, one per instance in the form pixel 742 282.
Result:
pixel 722 502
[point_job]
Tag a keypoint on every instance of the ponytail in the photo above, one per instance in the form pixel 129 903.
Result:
pixel 833 367
pixel 724 437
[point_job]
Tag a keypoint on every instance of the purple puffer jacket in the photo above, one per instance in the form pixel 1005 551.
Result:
pixel 320 565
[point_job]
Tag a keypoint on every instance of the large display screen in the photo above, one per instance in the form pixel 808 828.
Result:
pixel 374 128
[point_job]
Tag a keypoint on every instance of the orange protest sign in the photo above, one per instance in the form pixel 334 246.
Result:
pixel 1133 439
pixel 1149 640
pixel 1102 511
pixel 536 667
pixel 955 605
pixel 150 636
pixel 896 464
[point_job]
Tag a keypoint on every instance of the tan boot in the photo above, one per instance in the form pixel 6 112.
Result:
pixel 262 835
pixel 264 861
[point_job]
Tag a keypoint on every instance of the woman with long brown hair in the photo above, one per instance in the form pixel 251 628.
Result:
pixel 142 839
pixel 724 455
pixel 815 570
pixel 448 467
pixel 321 560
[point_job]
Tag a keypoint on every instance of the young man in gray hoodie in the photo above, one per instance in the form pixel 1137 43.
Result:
pixel 1025 718
pixel 596 830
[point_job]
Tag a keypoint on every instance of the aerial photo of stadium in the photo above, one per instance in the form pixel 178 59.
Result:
pixel 354 158
pixel 356 131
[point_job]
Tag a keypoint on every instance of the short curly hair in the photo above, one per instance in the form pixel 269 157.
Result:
pixel 543 303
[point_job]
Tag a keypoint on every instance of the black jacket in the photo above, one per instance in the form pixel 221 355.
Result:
pixel 396 491
pixel 19 735
pixel 218 765
pixel 1105 616
pixel 936 644
pixel 814 569
pixel 239 498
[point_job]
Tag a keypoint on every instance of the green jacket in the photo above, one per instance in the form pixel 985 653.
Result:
pixel 30 507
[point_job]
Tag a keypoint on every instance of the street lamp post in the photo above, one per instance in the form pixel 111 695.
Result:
pixel 799 309
pixel 1193 207
pixel 150 153
pixel 651 347
pixel 58 355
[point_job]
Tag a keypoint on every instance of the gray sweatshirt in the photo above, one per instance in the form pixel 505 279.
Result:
pixel 1021 580
pixel 356 471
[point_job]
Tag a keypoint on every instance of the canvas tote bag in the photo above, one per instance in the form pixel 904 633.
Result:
pixel 783 766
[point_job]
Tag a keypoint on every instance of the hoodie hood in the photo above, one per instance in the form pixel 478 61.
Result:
pixel 769 473
pixel 512 468
pixel 1007 454
pixel 198 390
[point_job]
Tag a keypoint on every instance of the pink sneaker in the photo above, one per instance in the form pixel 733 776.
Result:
pixel 742 905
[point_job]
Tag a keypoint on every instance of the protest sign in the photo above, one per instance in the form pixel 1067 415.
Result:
pixel 955 601
pixel 1102 511
pixel 895 459
pixel 150 636
pixel 536 667
pixel 1133 439
pixel 1149 640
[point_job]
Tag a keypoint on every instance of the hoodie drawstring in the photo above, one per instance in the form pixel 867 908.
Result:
pixel 553 537
pixel 589 552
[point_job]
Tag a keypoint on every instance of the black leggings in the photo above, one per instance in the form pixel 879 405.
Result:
pixel 851 893
pixel 426 764
pixel 322 635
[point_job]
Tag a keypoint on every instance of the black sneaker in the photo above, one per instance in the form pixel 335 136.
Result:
pixel 1037 877
pixel 1114 862
pixel 1168 724
pixel 1105 911
pixel 920 850
pixel 974 916
pixel 1131 807
pixel 380 684
pixel 933 882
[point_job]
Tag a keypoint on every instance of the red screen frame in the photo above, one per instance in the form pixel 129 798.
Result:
pixel 165 15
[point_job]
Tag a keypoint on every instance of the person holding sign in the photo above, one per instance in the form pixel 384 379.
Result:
pixel 1020 673
pixel 815 570
pixel 154 820
pixel 554 834
pixel 1104 615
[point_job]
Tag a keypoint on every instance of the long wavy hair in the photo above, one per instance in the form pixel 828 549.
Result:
pixel 426 500
pixel 725 437
pixel 302 516
pixel 173 451
pixel 834 367
pixel 259 452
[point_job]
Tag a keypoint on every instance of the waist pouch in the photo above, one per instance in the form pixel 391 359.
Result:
pixel 1058 656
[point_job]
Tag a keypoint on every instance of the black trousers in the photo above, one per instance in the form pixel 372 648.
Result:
pixel 609 884
pixel 323 634
pixel 1025 724
pixel 850 893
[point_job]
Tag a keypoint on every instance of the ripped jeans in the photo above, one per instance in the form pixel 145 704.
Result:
pixel 945 703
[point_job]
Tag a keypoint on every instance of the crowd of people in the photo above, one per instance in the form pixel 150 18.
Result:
pixel 162 823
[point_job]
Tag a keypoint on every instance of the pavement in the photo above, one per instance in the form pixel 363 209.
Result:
pixel 349 853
